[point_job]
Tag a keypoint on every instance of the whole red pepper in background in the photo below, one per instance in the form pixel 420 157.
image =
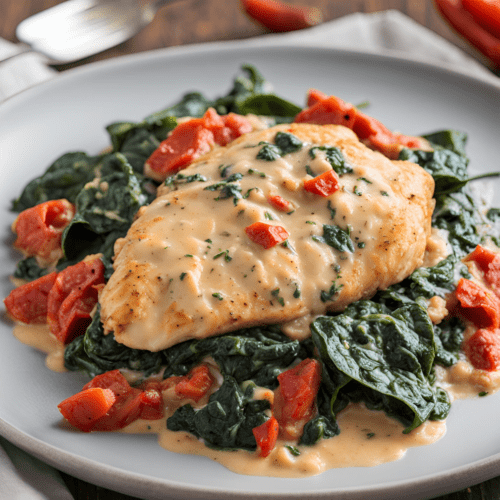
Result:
pixel 279 16
pixel 475 20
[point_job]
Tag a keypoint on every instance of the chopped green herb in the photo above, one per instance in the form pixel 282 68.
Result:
pixel 268 216
pixel 384 193
pixel 334 156
pixel 182 276
pixel 361 244
pixel 224 170
pixel 482 394
pixel 227 257
pixel 369 435
pixel 217 295
pixel 333 211
pixel 253 171
pixel 275 293
pixel 188 255
pixel 296 294
pixel 364 179
pixel 293 450
pixel 310 222
pixel 327 296
pixel 309 171
pixel 356 191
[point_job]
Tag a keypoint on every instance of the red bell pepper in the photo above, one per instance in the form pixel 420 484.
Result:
pixel 298 388
pixel 478 305
pixel 266 436
pixel 195 384
pixel 323 185
pixel 266 235
pixel 28 303
pixel 39 229
pixel 72 298
pixel 193 138
pixel 483 349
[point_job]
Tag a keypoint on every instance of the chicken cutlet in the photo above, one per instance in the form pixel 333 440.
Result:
pixel 189 267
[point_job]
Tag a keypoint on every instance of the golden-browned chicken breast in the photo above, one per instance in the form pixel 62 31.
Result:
pixel 196 264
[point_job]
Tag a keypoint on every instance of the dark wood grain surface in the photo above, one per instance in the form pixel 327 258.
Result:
pixel 194 21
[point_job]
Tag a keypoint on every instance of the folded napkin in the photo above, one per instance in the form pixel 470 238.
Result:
pixel 389 32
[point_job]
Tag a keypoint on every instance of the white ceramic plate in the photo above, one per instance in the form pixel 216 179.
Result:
pixel 70 113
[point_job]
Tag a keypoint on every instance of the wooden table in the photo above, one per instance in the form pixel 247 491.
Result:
pixel 193 21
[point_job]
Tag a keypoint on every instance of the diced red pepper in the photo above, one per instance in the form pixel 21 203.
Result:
pixel 39 229
pixel 314 96
pixel 151 401
pixel 279 203
pixel 85 408
pixel 299 387
pixel 266 436
pixel 323 110
pixel 195 384
pixel 130 403
pixel 266 235
pixel 489 263
pixel 279 16
pixel 329 110
pixel 234 126
pixel 193 138
pixel 28 303
pixel 487 41
pixel 72 298
pixel 478 305
pixel 483 349
pixel 324 184
pixel 113 380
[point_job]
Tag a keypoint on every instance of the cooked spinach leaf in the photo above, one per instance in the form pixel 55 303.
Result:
pixel 105 208
pixel 448 168
pixel 337 238
pixel 257 354
pixel 65 178
pixel 226 422
pixel 95 353
pixel 284 143
pixel 334 157
pixel 388 356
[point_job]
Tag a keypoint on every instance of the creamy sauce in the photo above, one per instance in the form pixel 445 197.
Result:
pixel 187 269
pixel 367 438
pixel 39 337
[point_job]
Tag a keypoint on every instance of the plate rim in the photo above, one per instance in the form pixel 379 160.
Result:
pixel 134 483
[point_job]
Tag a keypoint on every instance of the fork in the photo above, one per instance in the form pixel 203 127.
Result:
pixel 77 29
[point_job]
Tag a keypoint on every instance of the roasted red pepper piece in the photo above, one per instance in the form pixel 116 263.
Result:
pixel 279 203
pixel 28 303
pixel 266 436
pixel 324 110
pixel 85 408
pixel 129 403
pixel 279 16
pixel 266 235
pixel 489 263
pixel 195 384
pixel 483 349
pixel 39 229
pixel 193 138
pixel 72 298
pixel 478 305
pixel 324 184
pixel 299 387
pixel 463 22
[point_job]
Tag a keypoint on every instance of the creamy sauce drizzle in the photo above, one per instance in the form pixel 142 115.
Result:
pixel 367 438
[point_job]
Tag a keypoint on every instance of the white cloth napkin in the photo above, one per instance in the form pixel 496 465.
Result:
pixel 23 477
